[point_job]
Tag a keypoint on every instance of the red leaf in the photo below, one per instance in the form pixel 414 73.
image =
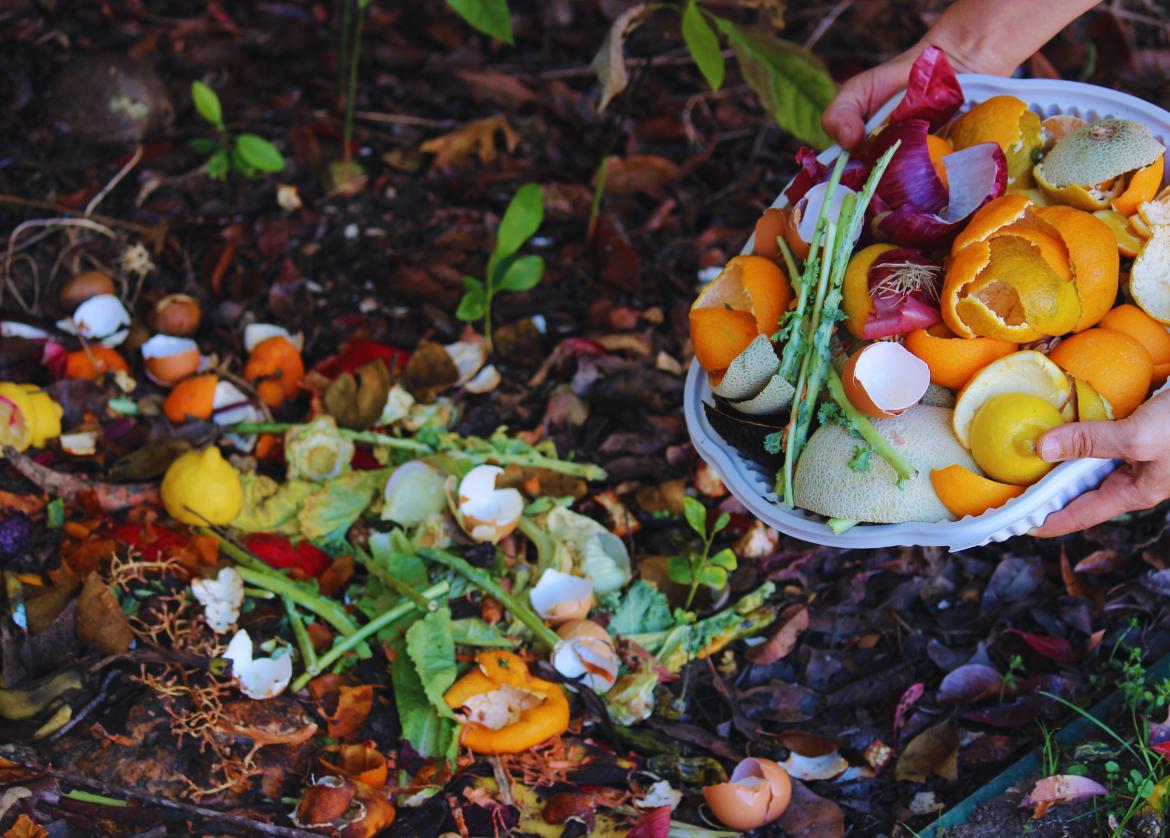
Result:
pixel 1057 648
pixel 904 703
pixel 278 552
pixel 968 683
pixel 150 544
pixel 356 354
pixel 933 92
pixel 652 823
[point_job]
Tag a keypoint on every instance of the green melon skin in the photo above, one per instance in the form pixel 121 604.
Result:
pixel 1099 152
pixel 939 396
pixel 750 372
pixel 824 483
pixel 776 397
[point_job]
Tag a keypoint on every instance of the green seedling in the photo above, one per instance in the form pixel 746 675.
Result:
pixel 246 154
pixel 702 568
pixel 507 271
pixel 346 176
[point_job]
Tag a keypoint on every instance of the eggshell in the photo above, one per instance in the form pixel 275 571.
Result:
pixel 561 597
pixel 230 406
pixel 885 379
pixel 256 333
pixel 488 514
pixel 587 655
pixel 102 319
pixel 168 360
pixel 758 792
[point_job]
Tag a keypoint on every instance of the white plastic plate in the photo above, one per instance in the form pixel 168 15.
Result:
pixel 752 485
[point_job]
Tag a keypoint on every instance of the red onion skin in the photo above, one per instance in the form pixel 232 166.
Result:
pixel 933 92
pixel 911 177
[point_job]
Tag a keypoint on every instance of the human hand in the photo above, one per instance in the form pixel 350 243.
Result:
pixel 1144 481
pixel 861 96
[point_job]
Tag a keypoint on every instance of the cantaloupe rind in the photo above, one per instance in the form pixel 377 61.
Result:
pixel 939 396
pixel 749 373
pixel 824 483
pixel 1026 371
pixel 1149 279
pixel 1099 152
pixel 776 397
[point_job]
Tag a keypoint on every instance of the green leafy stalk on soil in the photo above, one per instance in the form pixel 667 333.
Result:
pixel 702 568
pixel 246 154
pixel 372 627
pixel 484 581
pixel 505 270
pixel 368 437
pixel 391 582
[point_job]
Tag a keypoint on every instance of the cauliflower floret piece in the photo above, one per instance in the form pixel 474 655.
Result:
pixel 221 598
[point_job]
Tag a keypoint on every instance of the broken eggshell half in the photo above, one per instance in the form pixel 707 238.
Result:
pixel 102 319
pixel 485 512
pixel 561 597
pixel 885 379
pixel 229 406
pixel 168 360
pixel 258 677
pixel 757 793
pixel 256 333
pixel 586 655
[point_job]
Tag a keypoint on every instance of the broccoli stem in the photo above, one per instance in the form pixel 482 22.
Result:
pixel 487 584
pixel 392 582
pixel 904 468
pixel 377 624
pixel 369 437
pixel 797 340
pixel 308 653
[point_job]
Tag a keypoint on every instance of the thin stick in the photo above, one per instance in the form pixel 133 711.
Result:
pixel 377 624
pixel 97 199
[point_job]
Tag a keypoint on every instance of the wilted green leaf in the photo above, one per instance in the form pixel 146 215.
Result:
pixel 339 503
pixel 432 650
pixel 259 153
pixel 207 103
pixel 643 609
pixel 703 44
pixel 202 145
pixel 490 17
pixel 523 274
pixel 473 306
pixel 269 506
pixel 521 220
pixel 791 82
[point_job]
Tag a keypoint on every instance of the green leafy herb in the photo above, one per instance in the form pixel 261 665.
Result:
pixel 246 154
pixel 490 17
pixel 702 568
pixel 432 735
pixel 505 270
pixel 432 651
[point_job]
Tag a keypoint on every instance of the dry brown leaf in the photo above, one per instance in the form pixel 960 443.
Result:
pixel 101 622
pixel 609 65
pixel 793 620
pixel 639 173
pixel 934 751
pixel 429 371
pixel 30 505
pixel 453 151
pixel 25 827
pixel 498 88
pixel 811 816
pixel 356 400
pixel 668 496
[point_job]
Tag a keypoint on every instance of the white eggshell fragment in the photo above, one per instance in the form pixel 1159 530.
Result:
pixel 102 319
pixel 256 333
pixel 258 677
pixel 811 205
pixel 230 406
pixel 468 356
pixel 561 597
pixel 489 514
pixel 586 655
pixel 885 379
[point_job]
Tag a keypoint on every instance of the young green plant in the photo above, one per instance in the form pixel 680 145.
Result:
pixel 346 176
pixel 702 568
pixel 506 270
pixel 245 154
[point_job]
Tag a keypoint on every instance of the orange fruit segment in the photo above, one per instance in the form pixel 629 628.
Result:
pixel 1143 186
pixel 964 492
pixel 1129 240
pixel 193 396
pixel 1093 251
pixel 1004 120
pixel 938 148
pixel 1114 364
pixel 719 335
pixel 1056 128
pixel 954 360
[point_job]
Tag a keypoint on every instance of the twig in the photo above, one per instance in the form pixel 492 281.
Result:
pixel 828 21
pixel 111 497
pixel 41 222
pixel 97 199
pixel 203 812
pixel 87 709
pixel 403 119
pixel 104 219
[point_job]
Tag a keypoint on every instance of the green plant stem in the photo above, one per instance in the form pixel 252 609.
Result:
pixel 328 611
pixel 488 293
pixel 375 625
pixel 598 193
pixel 392 582
pixel 697 569
pixel 789 258
pixel 357 436
pixel 586 471
pixel 343 47
pixel 486 583
pixel 308 653
pixel 904 468
pixel 355 51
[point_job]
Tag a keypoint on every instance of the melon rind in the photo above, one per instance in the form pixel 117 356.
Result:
pixel 824 483
pixel 1082 161
pixel 776 396
pixel 749 373
pixel 939 396
pixel 1149 279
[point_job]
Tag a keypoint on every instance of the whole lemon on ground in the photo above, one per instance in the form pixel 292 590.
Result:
pixel 1004 436
pixel 206 483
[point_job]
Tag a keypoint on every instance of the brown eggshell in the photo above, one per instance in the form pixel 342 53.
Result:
pixel 81 287
pixel 857 394
pixel 740 807
pixel 177 315
pixel 772 224
pixel 575 629
pixel 781 785
pixel 800 248
pixel 169 370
